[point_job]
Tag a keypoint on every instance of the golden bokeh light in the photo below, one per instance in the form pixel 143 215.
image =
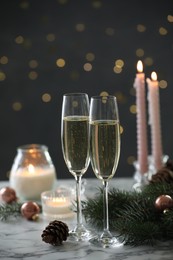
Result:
pixel 62 2
pixel 27 44
pixel 131 159
pixel 132 109
pixel 33 64
pixel 96 4
pixel 119 63
pixel 16 106
pixel 121 98
pixel 163 31
pixel 80 27
pixel 148 61
pixel 117 70
pixel 19 39
pixel 141 28
pixel 4 60
pixel 74 75
pixel 139 52
pixel 50 37
pixel 60 63
pixel 90 56
pixel 170 18
pixel 133 91
pixel 75 103
pixel 163 84
pixel 33 75
pixel 87 66
pixel 121 129
pixel 110 31
pixel 46 97
pixel 2 76
pixel 24 4
pixel 104 94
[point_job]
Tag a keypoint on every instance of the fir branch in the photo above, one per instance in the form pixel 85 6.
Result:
pixel 9 210
pixel 133 215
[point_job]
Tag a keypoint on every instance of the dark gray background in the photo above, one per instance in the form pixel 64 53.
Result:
pixel 110 33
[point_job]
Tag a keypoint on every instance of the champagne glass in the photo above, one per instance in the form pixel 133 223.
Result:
pixel 75 147
pixel 105 151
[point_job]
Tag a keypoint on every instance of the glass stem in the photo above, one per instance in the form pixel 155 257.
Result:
pixel 78 200
pixel 105 207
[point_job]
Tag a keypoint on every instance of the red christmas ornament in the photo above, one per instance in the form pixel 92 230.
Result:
pixel 163 202
pixel 8 195
pixel 30 210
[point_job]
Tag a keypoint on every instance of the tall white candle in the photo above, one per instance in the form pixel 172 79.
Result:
pixel 154 120
pixel 142 149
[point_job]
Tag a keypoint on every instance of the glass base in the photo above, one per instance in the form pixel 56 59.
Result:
pixel 109 242
pixel 106 240
pixel 81 234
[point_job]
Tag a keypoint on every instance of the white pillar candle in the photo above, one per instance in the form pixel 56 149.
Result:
pixel 154 120
pixel 29 182
pixel 142 149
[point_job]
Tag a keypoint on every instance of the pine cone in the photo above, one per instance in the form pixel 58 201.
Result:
pixel 55 233
pixel 163 175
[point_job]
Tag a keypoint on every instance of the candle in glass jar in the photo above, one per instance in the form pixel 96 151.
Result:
pixel 142 150
pixel 30 181
pixel 154 120
pixel 56 204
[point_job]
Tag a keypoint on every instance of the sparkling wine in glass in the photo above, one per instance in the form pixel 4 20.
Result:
pixel 75 147
pixel 104 154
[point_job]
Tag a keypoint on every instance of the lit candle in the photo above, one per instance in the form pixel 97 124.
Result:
pixel 142 150
pixel 56 204
pixel 154 120
pixel 30 181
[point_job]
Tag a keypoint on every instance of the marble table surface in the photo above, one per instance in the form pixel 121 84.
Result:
pixel 21 239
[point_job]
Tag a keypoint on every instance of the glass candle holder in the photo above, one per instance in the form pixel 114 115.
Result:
pixel 143 179
pixel 57 204
pixel 32 172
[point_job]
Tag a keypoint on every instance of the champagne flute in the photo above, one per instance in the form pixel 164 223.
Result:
pixel 75 147
pixel 104 154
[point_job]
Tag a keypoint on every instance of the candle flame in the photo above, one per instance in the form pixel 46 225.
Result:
pixel 59 200
pixel 154 76
pixel 31 168
pixel 140 66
